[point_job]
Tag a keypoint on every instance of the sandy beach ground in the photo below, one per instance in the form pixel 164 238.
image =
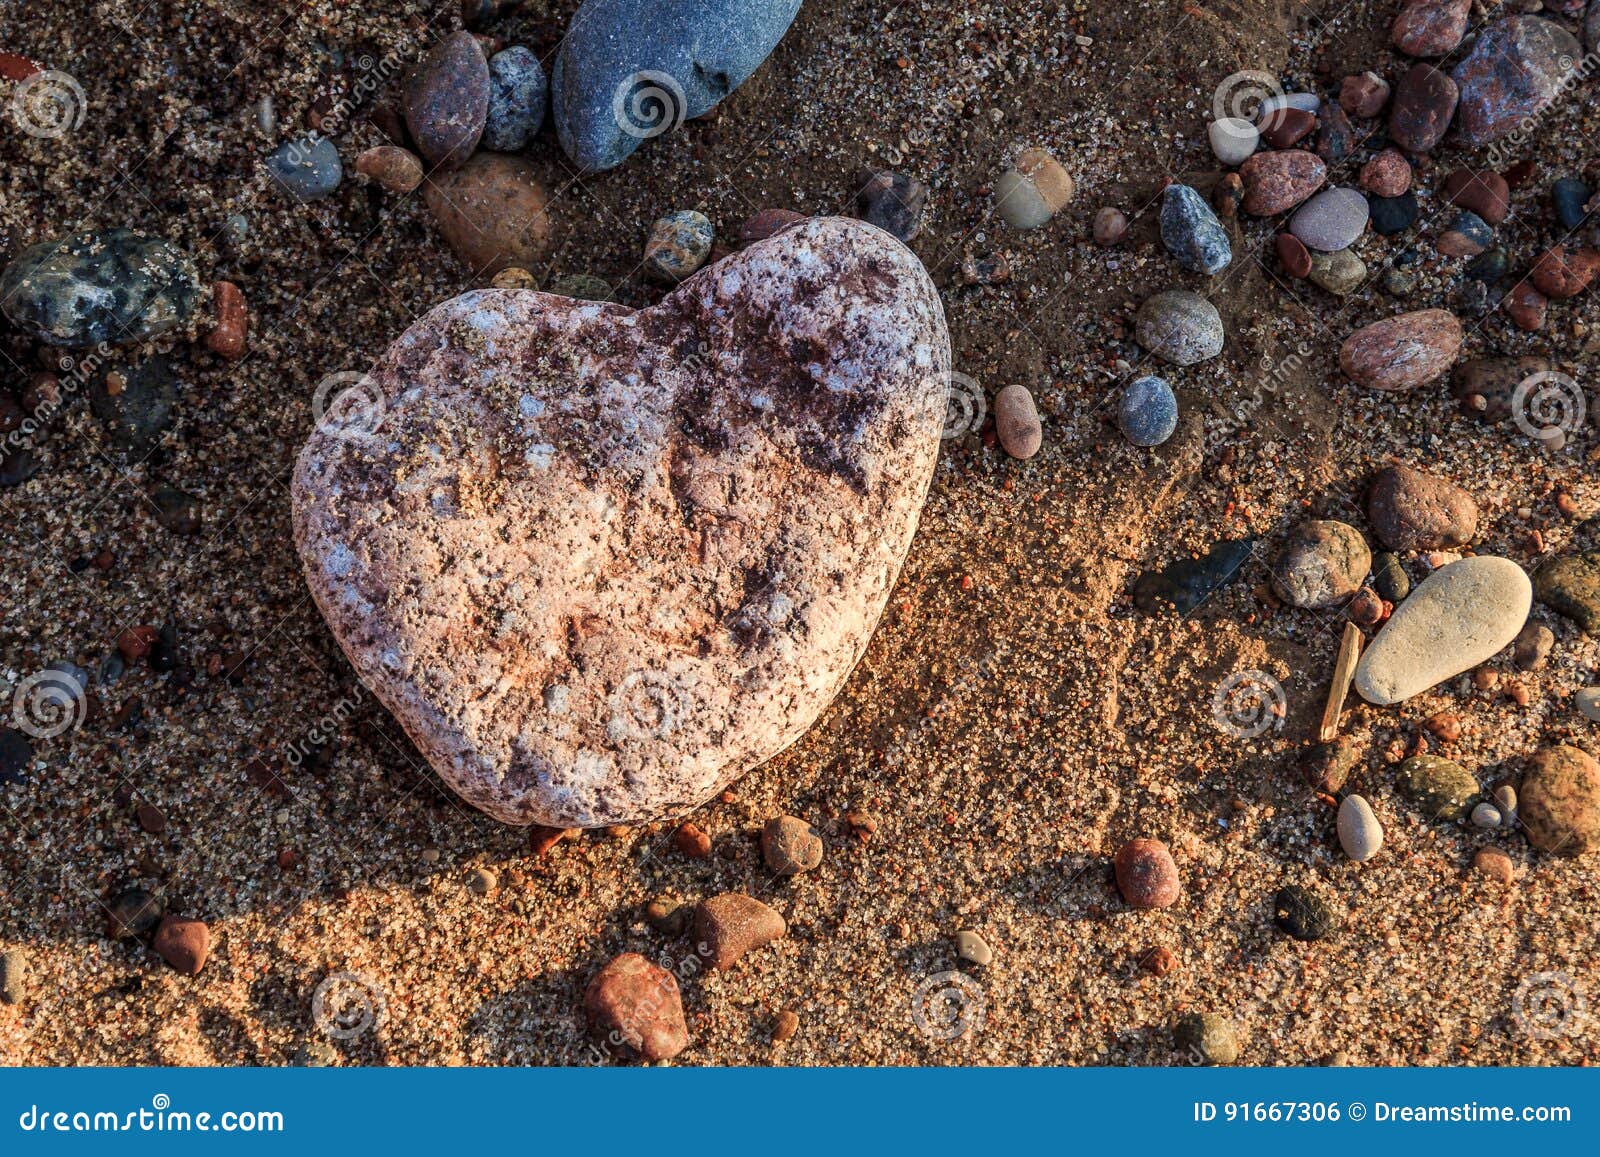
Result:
pixel 1016 718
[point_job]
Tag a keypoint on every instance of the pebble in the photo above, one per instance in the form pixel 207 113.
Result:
pixel 891 201
pixel 1146 874
pixel 183 943
pixel 1424 103
pixel 1233 139
pixel 1110 227
pixel 1293 255
pixel 447 101
pixel 1534 643
pixel 1147 413
pixel 518 93
pixel 16 753
pixel 132 913
pixel 1360 833
pixel 135 408
pixel 1327 767
pixel 1391 215
pixel 1308 101
pixel 1033 190
pixel 1570 586
pixel 1486 816
pixel 1390 577
pixel 1339 273
pixel 13 976
pixel 1505 798
pixel 1322 564
pixel 1458 617
pixel 1518 65
pixel 1185 583
pixel 1489 266
pixel 1559 801
pixel 631 70
pixel 1565 270
pixel 1366 609
pixel 228 336
pixel 307 169
pixel 790 846
pixel 176 511
pixel 1440 788
pixel 1192 233
pixel 667 916
pixel 637 1004
pixel 993 269
pixel 692 841
pixel 1483 191
pixel 1402 352
pixel 764 223
pixel 1158 960
pixel 1286 127
pixel 1336 137
pixel 1526 307
pixel 1416 511
pixel 1180 327
pixel 397 170
pixel 492 212
pixel 732 924
pixel 482 882
pixel 785 1026
pixel 678 245
pixel 1277 182
pixel 1466 235
pixel 1495 864
pixel 1228 195
pixel 112 286
pixel 1303 914
pixel 1430 27
pixel 1016 422
pixel 1569 196
pixel 1206 1038
pixel 1388 174
pixel 973 948
pixel 513 278
pixel 1363 95
pixel 1588 701
pixel 150 819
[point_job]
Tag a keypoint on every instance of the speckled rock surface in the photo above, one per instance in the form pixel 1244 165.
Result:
pixel 1570 586
pixel 629 70
pixel 1559 804
pixel 1516 67
pixel 1458 617
pixel 598 562
pixel 1402 352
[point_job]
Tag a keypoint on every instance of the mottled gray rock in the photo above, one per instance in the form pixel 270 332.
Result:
pixel 1517 66
pixel 1332 220
pixel 1147 412
pixel 1192 233
pixel 518 94
pixel 629 70
pixel 308 169
pixel 600 562
pixel 1322 564
pixel 1179 327
pixel 113 286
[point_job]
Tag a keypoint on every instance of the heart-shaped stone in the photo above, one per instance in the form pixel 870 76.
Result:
pixel 600 562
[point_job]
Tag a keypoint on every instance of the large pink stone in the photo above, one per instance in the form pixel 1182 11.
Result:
pixel 599 562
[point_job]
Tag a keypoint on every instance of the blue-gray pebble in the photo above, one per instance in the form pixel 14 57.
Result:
pixel 1192 233
pixel 518 93
pixel 1148 412
pixel 308 169
pixel 630 70
pixel 1570 195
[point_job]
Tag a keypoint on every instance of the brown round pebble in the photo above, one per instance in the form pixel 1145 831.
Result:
pixel 227 337
pixel 183 944
pixel 1146 875
pixel 1387 175
pixel 151 818
pixel 1558 804
pixel 1424 102
pixel 635 1004
pixel 1110 226
pixel 1565 271
pixel 1366 609
pixel 1286 127
pixel 492 213
pixel 1532 647
pixel 728 926
pixel 1526 307
pixel 1495 864
pixel 513 278
pixel 1016 422
pixel 789 845
pixel 395 169
pixel 692 842
pixel 1445 726
pixel 1364 95
pixel 447 101
pixel 1410 510
pixel 134 643
pixel 785 1026
pixel 1483 191
pixel 1293 255
pixel 1157 960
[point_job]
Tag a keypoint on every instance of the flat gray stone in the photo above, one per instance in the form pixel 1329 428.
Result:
pixel 1332 220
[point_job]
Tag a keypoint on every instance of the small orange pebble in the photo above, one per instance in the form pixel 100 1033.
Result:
pixel 14 67
pixel 227 339
pixel 692 842
pixel 1518 694
pixel 1445 726
pixel 1485 678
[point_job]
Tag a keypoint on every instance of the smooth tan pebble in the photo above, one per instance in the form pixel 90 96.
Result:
pixel 1016 422
pixel 1360 833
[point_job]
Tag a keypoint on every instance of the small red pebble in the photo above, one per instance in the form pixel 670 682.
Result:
pixel 183 944
pixel 692 842
pixel 541 839
pixel 134 643
pixel 1146 875
pixel 227 339
pixel 1445 726
pixel 1526 307
pixel 1293 255
pixel 1366 609
pixel 288 859
pixel 1157 961
pixel 966 582
pixel 14 67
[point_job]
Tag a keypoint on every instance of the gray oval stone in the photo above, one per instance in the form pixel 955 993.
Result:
pixel 1332 220
pixel 518 93
pixel 1179 327
pixel 308 169
pixel 1148 411
pixel 1360 833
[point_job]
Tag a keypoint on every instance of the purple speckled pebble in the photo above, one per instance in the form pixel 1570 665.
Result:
pixel 1330 221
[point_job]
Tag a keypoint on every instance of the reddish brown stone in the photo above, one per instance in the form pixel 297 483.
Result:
pixel 150 818
pixel 1157 960
pixel 227 338
pixel 1228 196
pixel 1293 255
pixel 1410 510
pixel 1518 67
pixel 14 67
pixel 1276 182
pixel 447 101
pixel 1387 175
pixel 1401 352
pixel 134 643
pixel 692 842
pixel 1146 874
pixel 1430 27
pixel 764 223
pixel 1424 103
pixel 636 1005
pixel 183 943
pixel 493 213
pixel 1364 95
pixel 1526 307
pixel 727 926
pixel 1286 127
pixel 541 838
pixel 1565 271
pixel 397 170
pixel 1483 191
pixel 1559 802
pixel 1335 135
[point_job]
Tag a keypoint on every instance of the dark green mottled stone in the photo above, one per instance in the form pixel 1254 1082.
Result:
pixel 1185 584
pixel 1303 914
pixel 112 286
pixel 1571 586
pixel 1440 788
